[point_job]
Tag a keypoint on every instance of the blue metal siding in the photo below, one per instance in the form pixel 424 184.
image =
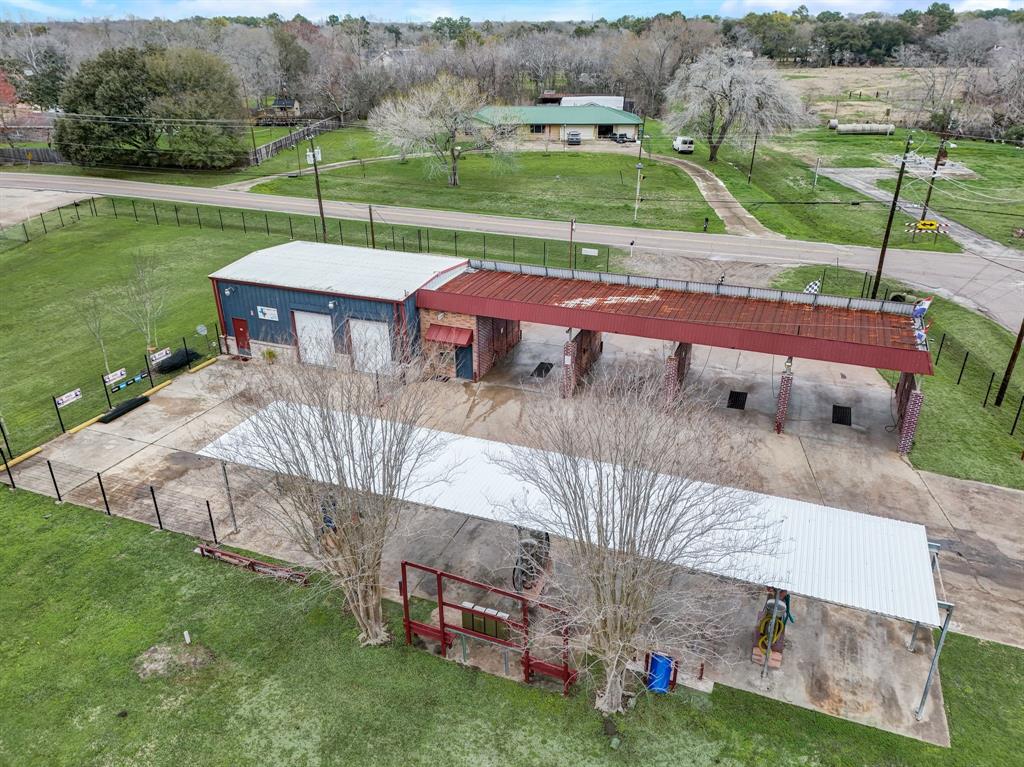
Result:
pixel 464 362
pixel 412 319
pixel 244 299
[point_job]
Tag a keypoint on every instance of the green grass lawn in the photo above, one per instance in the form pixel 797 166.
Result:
pixel 85 595
pixel 336 146
pixel 46 348
pixel 782 196
pixel 595 188
pixel 956 436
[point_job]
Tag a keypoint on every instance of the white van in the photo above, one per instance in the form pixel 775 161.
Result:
pixel 683 144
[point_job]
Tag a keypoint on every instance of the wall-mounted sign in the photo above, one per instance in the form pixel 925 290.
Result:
pixel 266 313
pixel 162 354
pixel 66 399
pixel 114 377
pixel 588 251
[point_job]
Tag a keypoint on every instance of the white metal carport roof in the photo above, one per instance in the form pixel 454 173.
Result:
pixel 869 563
pixel 340 269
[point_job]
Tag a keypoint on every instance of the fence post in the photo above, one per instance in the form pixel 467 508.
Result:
pixel 135 212
pixel 3 434
pixel 989 391
pixel 60 216
pixel 419 239
pixel 156 217
pixel 220 216
pixel 244 230
pixel 103 492
pixel 54 478
pixel 199 218
pixel 176 219
pixel 456 243
pixel 485 246
pixel 159 522
pixel 428 241
pixel 213 529
pixel 513 249
pixel 291 232
pixel 966 355
pixel 1017 417
pixel 113 204
pixel 59 419
pixel 227 488
pixel 267 222
pixel 45 231
pixel 393 246
pixel 184 343
pixel 92 203
pixel 939 353
pixel 7 467
pixel 25 230
pixel 341 233
pixel 545 252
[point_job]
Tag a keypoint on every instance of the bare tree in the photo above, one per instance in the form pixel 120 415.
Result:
pixel 727 93
pixel 338 452
pixel 439 120
pixel 94 309
pixel 622 476
pixel 143 298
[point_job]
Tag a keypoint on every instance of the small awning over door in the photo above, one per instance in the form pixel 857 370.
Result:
pixel 446 334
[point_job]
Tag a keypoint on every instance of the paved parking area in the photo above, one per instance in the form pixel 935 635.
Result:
pixel 838 661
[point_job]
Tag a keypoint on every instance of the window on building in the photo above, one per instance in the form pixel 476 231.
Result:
pixel 537 128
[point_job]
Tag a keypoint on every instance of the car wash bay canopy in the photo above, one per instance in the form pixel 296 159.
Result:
pixel 878 334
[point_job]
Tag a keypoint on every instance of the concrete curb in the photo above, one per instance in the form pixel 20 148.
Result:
pixel 157 388
pixel 206 364
pixel 90 422
pixel 24 456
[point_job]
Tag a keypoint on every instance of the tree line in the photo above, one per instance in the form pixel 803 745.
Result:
pixel 227 68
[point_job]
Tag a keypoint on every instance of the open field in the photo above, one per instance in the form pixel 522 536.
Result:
pixel 596 188
pixel 336 146
pixel 956 435
pixel 86 595
pixel 783 197
pixel 95 254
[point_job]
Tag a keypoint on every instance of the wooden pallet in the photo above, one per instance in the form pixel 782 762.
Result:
pixel 255 565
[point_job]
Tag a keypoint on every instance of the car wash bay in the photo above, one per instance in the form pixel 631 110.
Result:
pixel 753 341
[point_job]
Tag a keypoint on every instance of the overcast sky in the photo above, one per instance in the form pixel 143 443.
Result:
pixel 427 10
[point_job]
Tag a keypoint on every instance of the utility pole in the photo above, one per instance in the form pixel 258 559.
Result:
pixel 1005 383
pixel 319 198
pixel 255 153
pixel 817 166
pixel 753 151
pixel 892 214
pixel 298 160
pixel 935 173
pixel 373 236
pixel 572 228
pixel 643 132
pixel 636 202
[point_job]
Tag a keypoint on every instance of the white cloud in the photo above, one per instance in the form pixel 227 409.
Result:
pixel 33 6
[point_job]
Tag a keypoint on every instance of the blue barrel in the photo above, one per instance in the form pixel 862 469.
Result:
pixel 659 674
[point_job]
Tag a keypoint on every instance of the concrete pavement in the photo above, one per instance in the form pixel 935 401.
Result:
pixel 993 286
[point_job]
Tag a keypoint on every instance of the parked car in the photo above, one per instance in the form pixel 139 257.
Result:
pixel 683 144
pixel 573 138
pixel 621 138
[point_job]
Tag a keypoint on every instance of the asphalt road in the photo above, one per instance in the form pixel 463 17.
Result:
pixel 994 285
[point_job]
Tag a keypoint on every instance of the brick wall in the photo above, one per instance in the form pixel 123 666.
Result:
pixel 909 414
pixel 579 355
pixel 441 357
pixel 676 368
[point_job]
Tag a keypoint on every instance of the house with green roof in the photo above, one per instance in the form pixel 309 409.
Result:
pixel 552 122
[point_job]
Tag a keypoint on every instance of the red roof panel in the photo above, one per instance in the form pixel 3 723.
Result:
pixel 853 336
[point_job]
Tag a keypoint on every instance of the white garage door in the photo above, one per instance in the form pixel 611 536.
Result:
pixel 316 338
pixel 371 345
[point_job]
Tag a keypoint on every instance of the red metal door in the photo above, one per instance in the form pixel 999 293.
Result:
pixel 240 328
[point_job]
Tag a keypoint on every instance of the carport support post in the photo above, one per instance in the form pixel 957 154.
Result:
pixel 919 711
pixel 783 402
pixel 227 488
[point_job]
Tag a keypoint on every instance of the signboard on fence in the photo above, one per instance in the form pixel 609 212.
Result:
pixel 588 251
pixel 67 398
pixel 162 354
pixel 114 377
pixel 137 378
pixel 267 313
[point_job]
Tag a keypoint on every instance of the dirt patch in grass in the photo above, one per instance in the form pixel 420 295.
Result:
pixel 173 660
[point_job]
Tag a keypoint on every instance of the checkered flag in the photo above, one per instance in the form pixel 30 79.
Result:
pixel 813 287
